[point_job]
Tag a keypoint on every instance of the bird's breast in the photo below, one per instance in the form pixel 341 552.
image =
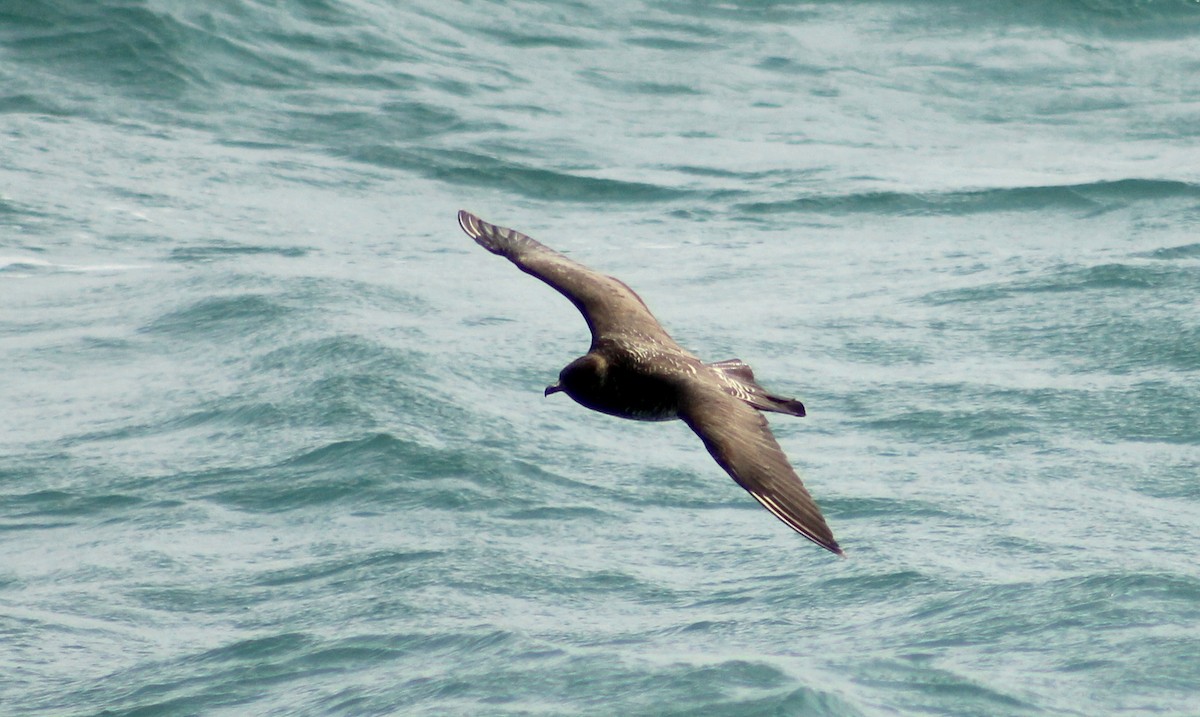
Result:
pixel 632 394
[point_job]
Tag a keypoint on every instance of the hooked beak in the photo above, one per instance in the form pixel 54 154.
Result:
pixel 553 388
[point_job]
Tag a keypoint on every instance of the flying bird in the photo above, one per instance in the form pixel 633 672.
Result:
pixel 635 370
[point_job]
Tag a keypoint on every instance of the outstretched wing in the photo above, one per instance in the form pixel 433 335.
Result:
pixel 608 305
pixel 737 436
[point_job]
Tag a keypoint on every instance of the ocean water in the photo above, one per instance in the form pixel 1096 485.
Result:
pixel 272 432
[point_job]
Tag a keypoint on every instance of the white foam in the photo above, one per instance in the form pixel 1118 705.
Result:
pixel 11 265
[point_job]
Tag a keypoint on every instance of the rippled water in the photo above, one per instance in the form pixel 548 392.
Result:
pixel 273 433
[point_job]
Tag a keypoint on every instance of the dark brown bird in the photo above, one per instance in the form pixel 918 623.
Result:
pixel 635 370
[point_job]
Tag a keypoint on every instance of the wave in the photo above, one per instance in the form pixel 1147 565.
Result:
pixel 383 471
pixel 56 508
pixel 91 58
pixel 461 167
pixel 220 315
pixel 1172 253
pixel 1113 18
pixel 220 250
pixel 1114 276
pixel 27 267
pixel 1093 197
pixel 112 44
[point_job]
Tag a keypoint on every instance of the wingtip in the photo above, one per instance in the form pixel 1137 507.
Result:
pixel 468 222
pixel 831 545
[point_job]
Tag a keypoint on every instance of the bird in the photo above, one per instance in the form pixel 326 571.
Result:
pixel 635 370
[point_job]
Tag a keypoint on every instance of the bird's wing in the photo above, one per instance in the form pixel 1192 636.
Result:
pixel 608 305
pixel 739 439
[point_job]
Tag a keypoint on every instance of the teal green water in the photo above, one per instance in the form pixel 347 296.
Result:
pixel 272 432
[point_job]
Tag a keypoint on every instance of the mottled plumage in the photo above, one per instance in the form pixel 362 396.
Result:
pixel 634 369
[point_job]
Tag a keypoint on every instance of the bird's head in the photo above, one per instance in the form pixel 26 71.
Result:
pixel 581 377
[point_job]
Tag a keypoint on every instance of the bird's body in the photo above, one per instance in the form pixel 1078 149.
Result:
pixel 628 381
pixel 635 370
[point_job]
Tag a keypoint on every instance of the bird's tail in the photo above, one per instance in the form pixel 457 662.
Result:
pixel 740 382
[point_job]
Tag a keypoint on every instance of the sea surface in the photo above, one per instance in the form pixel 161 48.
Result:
pixel 272 432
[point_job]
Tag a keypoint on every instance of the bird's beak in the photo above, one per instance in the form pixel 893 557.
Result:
pixel 553 388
